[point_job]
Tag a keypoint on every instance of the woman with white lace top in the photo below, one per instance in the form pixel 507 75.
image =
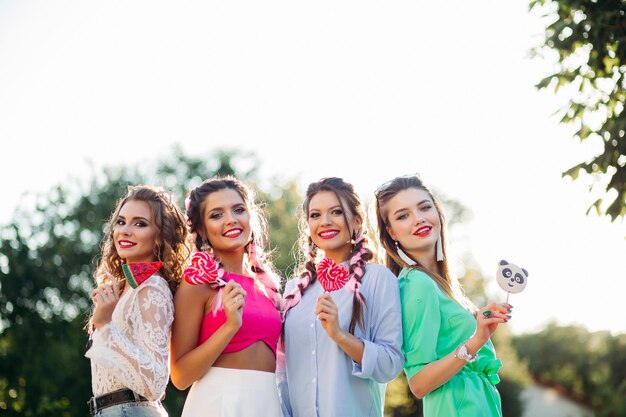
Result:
pixel 132 318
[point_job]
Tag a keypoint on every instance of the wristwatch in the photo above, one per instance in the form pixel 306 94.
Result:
pixel 462 353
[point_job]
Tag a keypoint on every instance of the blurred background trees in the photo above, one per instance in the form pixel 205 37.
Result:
pixel 588 367
pixel 47 257
pixel 48 254
pixel 589 38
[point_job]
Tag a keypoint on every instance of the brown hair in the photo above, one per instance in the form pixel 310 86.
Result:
pixel 392 260
pixel 360 255
pixel 259 263
pixel 172 249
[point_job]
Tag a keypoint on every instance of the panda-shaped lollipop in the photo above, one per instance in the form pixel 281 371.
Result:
pixel 511 278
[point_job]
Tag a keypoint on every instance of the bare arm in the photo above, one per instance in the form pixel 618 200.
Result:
pixel 190 362
pixel 437 373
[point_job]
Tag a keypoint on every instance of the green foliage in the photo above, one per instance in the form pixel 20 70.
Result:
pixel 590 39
pixel 47 257
pixel 283 201
pixel 589 367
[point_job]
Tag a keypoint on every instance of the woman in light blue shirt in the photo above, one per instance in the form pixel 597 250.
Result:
pixel 341 347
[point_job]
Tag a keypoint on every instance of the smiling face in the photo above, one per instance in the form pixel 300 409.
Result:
pixel 413 221
pixel 135 233
pixel 226 220
pixel 327 226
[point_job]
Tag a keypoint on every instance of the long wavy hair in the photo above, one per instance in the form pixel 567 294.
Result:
pixel 257 259
pixel 173 248
pixel 172 235
pixel 441 275
pixel 308 257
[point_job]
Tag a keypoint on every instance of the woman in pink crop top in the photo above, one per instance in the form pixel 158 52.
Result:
pixel 224 337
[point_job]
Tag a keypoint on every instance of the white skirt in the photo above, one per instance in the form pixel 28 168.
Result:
pixel 225 392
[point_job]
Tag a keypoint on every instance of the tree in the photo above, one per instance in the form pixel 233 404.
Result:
pixel 588 367
pixel 590 39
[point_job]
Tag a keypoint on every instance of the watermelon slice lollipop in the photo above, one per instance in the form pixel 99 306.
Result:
pixel 331 275
pixel 137 273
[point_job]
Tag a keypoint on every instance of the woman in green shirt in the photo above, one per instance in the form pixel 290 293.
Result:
pixel 450 360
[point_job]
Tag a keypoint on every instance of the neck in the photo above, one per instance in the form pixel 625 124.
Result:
pixel 233 262
pixel 426 258
pixel 339 255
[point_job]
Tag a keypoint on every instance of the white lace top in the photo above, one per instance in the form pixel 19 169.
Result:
pixel 131 351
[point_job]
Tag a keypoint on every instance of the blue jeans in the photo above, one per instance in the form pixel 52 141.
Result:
pixel 134 409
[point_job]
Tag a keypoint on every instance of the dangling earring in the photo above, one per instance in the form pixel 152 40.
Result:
pixel 206 246
pixel 353 238
pixel 439 249
pixel 403 255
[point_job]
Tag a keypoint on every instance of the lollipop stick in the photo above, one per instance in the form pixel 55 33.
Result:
pixel 507 297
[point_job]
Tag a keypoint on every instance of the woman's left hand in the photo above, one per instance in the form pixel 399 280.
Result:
pixel 105 298
pixel 328 315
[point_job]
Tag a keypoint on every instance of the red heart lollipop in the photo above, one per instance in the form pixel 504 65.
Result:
pixel 203 269
pixel 332 276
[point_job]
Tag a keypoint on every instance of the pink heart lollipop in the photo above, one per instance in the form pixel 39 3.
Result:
pixel 332 276
pixel 204 269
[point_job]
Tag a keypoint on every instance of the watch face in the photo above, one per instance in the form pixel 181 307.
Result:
pixel 462 353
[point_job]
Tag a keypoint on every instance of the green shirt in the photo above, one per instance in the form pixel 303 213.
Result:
pixel 434 325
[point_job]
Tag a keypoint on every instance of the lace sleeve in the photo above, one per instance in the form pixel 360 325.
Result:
pixel 139 354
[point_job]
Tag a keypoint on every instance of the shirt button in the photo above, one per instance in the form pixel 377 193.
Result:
pixel 312 352
pixel 313 380
pixel 312 324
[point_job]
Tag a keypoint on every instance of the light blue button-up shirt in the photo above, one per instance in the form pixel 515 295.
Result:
pixel 320 379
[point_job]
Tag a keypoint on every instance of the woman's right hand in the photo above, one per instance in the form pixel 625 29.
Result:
pixel 233 300
pixel 487 325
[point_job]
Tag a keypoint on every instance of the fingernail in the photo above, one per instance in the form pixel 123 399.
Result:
pixel 508 315
pixel 509 310
pixel 510 306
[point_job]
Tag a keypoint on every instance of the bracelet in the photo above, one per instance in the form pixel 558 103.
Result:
pixel 462 353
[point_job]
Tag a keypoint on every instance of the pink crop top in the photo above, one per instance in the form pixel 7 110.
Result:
pixel 260 319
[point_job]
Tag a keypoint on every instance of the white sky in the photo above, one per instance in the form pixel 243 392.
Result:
pixel 363 90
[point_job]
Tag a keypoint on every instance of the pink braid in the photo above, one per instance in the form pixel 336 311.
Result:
pixel 269 280
pixel 358 261
pixel 309 275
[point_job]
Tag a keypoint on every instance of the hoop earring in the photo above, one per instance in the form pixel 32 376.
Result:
pixel 403 255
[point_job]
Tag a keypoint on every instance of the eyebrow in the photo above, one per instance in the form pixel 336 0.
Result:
pixel 222 208
pixel 332 208
pixel 134 218
pixel 418 204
